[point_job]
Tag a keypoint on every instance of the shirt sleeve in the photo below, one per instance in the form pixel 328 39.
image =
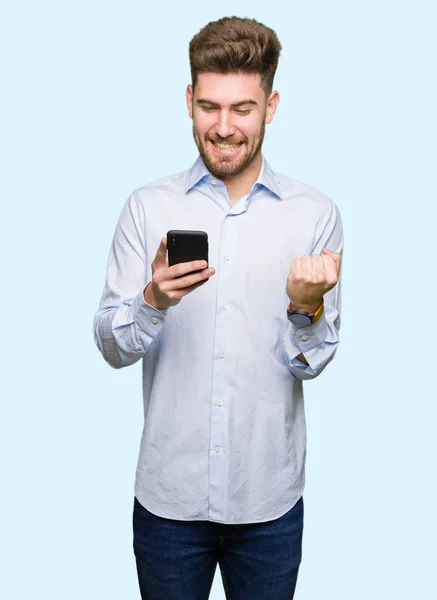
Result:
pixel 318 342
pixel 125 325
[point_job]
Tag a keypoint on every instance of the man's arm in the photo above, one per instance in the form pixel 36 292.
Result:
pixel 131 315
pixel 308 350
pixel 125 325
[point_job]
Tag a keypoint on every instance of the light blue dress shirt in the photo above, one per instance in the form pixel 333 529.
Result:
pixel 224 435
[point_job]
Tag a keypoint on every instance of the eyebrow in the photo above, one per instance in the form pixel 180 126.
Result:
pixel 243 102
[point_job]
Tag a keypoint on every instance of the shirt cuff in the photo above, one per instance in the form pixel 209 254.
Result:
pixel 303 340
pixel 311 336
pixel 148 318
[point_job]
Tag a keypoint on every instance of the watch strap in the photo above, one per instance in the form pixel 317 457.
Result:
pixel 316 316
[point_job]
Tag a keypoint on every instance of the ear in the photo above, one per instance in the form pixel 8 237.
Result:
pixel 189 99
pixel 272 104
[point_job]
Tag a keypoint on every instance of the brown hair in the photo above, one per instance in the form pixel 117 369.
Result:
pixel 235 45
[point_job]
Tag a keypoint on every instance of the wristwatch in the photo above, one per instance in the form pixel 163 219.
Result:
pixel 301 318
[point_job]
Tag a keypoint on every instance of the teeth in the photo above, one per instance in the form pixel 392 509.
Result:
pixel 226 146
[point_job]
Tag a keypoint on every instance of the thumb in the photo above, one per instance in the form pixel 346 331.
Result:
pixel 162 251
pixel 336 256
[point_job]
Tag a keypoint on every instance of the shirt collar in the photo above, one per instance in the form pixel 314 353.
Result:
pixel 266 177
pixel 197 172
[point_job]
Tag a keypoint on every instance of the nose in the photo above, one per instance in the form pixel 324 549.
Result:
pixel 224 127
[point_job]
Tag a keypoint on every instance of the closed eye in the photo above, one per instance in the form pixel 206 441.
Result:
pixel 239 111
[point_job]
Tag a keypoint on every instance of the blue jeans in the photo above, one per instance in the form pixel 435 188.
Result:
pixel 176 560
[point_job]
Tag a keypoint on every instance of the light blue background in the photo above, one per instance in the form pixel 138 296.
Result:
pixel 92 106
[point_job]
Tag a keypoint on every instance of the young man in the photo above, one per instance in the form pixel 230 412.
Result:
pixel 224 351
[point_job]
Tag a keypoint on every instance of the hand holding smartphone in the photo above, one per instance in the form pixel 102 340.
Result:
pixel 185 269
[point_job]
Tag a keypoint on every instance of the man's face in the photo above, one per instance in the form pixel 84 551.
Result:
pixel 229 115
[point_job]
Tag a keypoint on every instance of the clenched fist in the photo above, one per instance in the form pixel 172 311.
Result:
pixel 311 277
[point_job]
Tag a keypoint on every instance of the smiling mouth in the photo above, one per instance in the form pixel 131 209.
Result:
pixel 223 147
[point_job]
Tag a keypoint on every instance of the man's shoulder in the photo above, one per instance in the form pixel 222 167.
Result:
pixel 292 188
pixel 174 182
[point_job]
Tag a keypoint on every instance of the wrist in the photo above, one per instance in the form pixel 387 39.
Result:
pixel 307 307
pixel 302 315
pixel 150 298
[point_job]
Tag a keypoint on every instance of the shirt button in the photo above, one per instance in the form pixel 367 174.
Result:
pixel 213 181
pixel 293 331
pixel 222 354
pixel 155 320
pixel 304 337
pixel 220 402
pixel 218 449
pixel 225 306
pixel 227 257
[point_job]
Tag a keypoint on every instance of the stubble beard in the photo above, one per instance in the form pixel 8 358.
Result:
pixel 228 166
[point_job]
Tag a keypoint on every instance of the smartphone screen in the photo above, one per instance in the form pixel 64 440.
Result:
pixel 184 245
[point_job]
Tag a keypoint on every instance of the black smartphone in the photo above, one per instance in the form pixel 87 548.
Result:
pixel 184 245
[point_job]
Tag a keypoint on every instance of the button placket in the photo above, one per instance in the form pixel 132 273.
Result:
pixel 222 367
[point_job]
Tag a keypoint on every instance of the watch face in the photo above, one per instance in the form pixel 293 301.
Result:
pixel 299 320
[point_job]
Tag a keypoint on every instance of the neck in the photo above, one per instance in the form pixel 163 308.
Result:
pixel 241 184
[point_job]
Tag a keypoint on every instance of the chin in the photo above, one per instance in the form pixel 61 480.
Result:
pixel 224 170
pixel 226 165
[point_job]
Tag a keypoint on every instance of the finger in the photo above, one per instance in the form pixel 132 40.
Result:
pixel 190 288
pixel 179 283
pixel 186 267
pixel 173 289
pixel 306 263
pixel 330 269
pixel 161 254
pixel 336 256
pixel 295 266
pixel 318 268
